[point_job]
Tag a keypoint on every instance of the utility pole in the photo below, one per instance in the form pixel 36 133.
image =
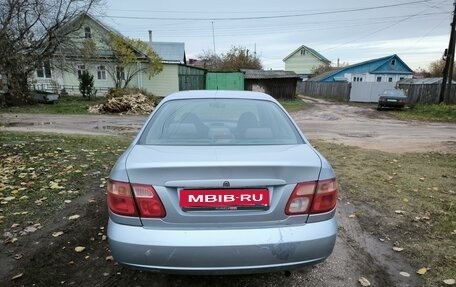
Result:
pixel 213 37
pixel 447 80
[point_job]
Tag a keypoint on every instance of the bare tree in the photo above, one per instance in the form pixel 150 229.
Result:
pixel 239 58
pixel 235 59
pixel 321 69
pixel 436 69
pixel 30 33
pixel 211 61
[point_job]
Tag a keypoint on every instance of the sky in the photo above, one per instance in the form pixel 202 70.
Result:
pixel 350 31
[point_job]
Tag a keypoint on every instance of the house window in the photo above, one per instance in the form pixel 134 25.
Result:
pixel 390 79
pixel 379 79
pixel 81 69
pixel 303 52
pixel 357 79
pixel 101 72
pixel 87 33
pixel 393 62
pixel 401 78
pixel 44 71
pixel 120 73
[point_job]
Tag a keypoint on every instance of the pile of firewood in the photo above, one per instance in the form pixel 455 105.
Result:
pixel 137 104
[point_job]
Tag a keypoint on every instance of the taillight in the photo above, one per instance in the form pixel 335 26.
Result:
pixel 121 200
pixel 301 198
pixel 325 197
pixel 149 204
pixel 312 197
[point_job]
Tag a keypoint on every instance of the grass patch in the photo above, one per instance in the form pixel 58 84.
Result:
pixel 38 172
pixel 69 105
pixel 422 185
pixel 445 113
pixel 294 105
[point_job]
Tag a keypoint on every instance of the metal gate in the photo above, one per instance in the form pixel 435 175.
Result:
pixel 368 92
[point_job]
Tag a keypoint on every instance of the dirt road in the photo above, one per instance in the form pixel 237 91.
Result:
pixel 357 254
pixel 351 125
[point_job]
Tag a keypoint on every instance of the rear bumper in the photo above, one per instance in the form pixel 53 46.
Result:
pixel 391 104
pixel 215 251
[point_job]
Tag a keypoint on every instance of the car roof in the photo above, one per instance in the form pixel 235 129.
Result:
pixel 218 94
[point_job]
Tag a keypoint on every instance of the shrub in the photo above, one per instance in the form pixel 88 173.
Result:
pixel 86 85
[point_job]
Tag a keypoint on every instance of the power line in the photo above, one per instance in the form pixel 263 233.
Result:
pixel 264 17
pixel 272 28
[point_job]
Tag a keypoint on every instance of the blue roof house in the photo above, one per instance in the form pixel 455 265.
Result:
pixel 385 69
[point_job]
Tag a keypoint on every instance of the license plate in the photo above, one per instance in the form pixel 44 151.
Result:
pixel 224 198
pixel 390 100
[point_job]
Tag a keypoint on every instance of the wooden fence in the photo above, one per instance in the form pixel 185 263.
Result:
pixel 426 93
pixel 339 91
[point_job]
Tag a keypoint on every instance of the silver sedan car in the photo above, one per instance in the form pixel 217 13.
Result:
pixel 221 182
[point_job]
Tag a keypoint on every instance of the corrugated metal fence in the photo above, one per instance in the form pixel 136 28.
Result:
pixel 368 92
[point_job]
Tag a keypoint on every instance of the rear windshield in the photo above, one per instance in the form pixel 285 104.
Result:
pixel 220 122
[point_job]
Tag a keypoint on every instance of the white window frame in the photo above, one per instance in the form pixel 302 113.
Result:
pixel 101 72
pixel 45 70
pixel 87 32
pixel 80 69
pixel 390 79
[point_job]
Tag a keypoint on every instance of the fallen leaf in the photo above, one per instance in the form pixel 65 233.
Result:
pixel 422 271
pixel 364 282
pixel 57 234
pixel 73 217
pixel 109 258
pixel 9 198
pixel 352 216
pixel 405 274
pixel 17 276
pixel 405 200
pixel 15 225
pixel 18 256
pixel 398 249
pixel 79 249
pixel 103 238
pixel 399 211
pixel 449 281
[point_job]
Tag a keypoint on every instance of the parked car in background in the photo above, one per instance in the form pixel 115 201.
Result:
pixel 392 98
pixel 44 97
pixel 221 182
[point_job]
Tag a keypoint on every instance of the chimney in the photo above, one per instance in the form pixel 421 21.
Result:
pixel 150 37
